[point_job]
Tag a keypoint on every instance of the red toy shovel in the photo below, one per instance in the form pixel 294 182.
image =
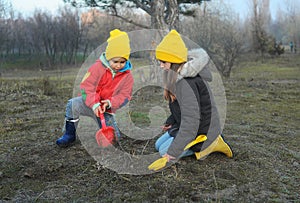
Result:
pixel 105 136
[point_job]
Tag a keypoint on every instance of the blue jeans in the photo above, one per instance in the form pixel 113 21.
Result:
pixel 163 143
pixel 76 107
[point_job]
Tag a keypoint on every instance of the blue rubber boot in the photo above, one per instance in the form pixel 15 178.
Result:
pixel 69 136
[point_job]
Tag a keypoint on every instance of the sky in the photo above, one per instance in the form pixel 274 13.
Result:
pixel 26 7
pixel 243 6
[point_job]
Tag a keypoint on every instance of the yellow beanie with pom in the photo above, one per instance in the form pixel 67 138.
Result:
pixel 172 48
pixel 118 45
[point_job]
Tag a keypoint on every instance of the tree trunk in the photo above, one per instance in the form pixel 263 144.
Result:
pixel 157 17
pixel 165 15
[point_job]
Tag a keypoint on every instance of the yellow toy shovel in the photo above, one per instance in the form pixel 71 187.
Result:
pixel 158 164
pixel 162 162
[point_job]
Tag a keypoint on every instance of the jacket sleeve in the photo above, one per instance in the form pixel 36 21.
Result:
pixel 170 120
pixel 89 83
pixel 190 118
pixel 123 92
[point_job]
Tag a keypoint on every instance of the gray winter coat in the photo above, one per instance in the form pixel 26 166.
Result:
pixel 194 112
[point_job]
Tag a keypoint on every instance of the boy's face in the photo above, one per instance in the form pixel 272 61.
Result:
pixel 117 63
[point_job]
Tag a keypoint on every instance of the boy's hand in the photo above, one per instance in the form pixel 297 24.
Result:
pixel 102 108
pixel 97 111
pixel 104 105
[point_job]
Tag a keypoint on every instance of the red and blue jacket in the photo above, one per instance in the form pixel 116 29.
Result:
pixel 103 83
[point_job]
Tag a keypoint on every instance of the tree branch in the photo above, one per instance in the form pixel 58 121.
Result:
pixel 131 21
pixel 146 8
pixel 128 20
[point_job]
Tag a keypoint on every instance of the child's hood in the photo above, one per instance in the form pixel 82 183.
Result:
pixel 127 66
pixel 196 64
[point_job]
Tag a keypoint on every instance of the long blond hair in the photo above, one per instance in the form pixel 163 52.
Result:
pixel 169 79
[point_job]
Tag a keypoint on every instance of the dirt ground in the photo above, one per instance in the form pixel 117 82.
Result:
pixel 262 126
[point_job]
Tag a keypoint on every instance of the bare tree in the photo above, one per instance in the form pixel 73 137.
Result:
pixel 164 14
pixel 18 35
pixel 68 35
pixel 292 21
pixel 5 26
pixel 261 38
pixel 5 8
pixel 219 33
pixel 45 29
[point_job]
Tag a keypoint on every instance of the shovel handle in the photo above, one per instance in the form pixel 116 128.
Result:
pixel 102 119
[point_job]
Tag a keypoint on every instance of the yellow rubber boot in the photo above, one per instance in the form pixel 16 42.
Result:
pixel 199 138
pixel 219 145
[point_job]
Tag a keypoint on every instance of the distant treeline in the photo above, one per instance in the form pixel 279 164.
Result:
pixel 69 36
pixel 47 40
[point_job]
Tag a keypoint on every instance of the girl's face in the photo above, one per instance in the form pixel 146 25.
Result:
pixel 117 63
pixel 165 65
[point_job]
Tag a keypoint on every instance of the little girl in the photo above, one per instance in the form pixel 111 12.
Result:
pixel 193 126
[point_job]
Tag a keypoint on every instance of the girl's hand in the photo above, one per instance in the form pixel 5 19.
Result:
pixel 169 157
pixel 166 127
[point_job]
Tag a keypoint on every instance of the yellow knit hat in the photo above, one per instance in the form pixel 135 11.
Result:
pixel 118 45
pixel 172 48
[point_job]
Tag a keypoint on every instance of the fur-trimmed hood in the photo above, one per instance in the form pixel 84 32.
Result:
pixel 197 63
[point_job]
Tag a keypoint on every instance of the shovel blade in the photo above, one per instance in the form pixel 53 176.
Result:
pixel 105 136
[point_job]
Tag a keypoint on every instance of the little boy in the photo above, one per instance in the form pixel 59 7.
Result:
pixel 106 87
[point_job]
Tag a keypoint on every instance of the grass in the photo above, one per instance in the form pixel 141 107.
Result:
pixel 283 67
pixel 262 126
pixel 28 61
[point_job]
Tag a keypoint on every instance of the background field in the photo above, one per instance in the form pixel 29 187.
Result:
pixel 262 126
